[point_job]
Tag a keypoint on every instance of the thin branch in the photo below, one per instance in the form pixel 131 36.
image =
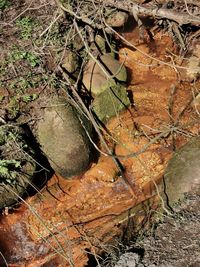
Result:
pixel 4 259
pixel 145 54
pixel 147 10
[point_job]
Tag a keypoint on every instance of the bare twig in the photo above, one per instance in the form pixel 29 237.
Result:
pixel 4 259
pixel 154 11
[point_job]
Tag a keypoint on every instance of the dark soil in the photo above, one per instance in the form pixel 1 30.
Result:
pixel 172 242
pixel 176 241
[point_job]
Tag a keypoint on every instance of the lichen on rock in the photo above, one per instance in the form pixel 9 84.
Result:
pixel 110 102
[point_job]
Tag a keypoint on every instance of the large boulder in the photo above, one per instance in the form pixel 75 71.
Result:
pixel 95 79
pixel 63 138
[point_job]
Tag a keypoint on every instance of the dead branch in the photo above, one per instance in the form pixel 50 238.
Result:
pixel 157 12
pixel 131 7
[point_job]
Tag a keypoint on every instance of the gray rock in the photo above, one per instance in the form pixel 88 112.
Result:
pixel 95 79
pixel 128 259
pixel 117 19
pixel 63 138
pixel 183 171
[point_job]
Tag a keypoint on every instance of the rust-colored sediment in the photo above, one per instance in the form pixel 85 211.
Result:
pixel 70 219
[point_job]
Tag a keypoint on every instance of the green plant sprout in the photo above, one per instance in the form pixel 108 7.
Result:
pixel 30 57
pixel 26 26
pixel 7 169
pixel 4 4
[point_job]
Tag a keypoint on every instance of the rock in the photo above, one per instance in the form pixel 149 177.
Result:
pixel 128 259
pixel 100 46
pixel 63 138
pixel 193 68
pixel 70 62
pixel 94 78
pixel 110 102
pixel 183 171
pixel 117 19
pixel 17 166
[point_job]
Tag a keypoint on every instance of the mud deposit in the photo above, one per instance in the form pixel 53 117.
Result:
pixel 76 222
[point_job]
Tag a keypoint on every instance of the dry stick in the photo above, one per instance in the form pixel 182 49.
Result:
pixel 176 32
pixel 107 74
pixel 131 7
pixel 90 116
pixel 50 25
pixel 85 19
pixel 193 2
pixel 29 156
pixel 145 54
pixel 145 147
pixel 170 110
pixel 32 209
pixel 55 249
pixel 180 18
pixel 24 11
pixel 155 11
pixel 109 153
pixel 4 259
pixel 84 235
pixel 184 109
pixel 156 187
pixel 192 15
pixel 115 159
pixel 195 104
pixel 109 29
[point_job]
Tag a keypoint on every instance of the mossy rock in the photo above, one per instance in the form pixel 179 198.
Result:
pixel 63 138
pixel 183 172
pixel 17 166
pixel 96 81
pixel 110 102
pixel 100 46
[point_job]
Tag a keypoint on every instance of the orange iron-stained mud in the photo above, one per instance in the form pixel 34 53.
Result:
pixel 70 218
